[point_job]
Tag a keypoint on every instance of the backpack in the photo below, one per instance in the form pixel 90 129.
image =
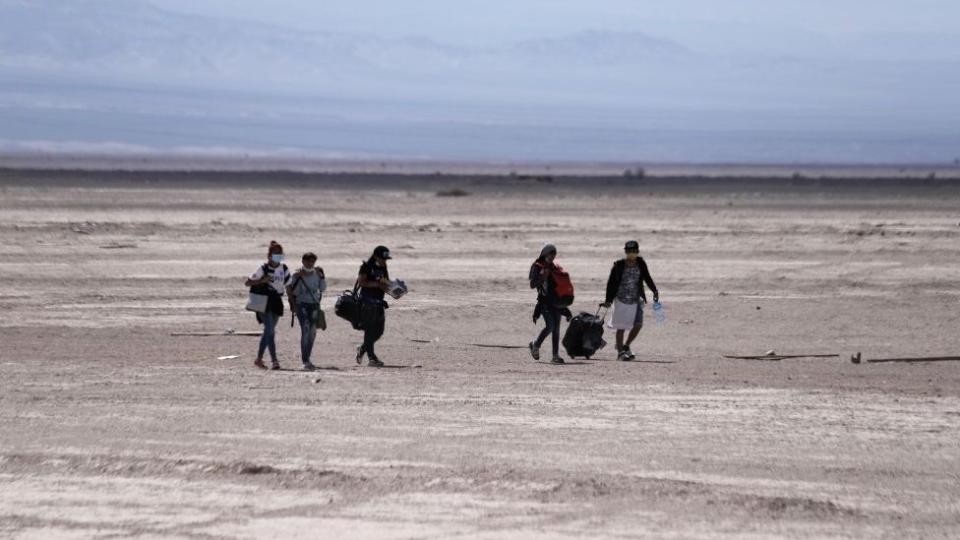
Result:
pixel 562 285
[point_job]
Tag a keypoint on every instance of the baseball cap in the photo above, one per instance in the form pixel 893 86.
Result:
pixel 382 252
pixel 632 245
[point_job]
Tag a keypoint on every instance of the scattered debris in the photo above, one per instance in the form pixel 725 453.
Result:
pixel 229 357
pixel 117 245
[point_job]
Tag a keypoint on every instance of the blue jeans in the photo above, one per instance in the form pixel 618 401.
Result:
pixel 270 321
pixel 551 316
pixel 308 330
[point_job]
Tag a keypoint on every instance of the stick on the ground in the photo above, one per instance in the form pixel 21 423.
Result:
pixel 915 360
pixel 206 334
pixel 482 345
pixel 778 357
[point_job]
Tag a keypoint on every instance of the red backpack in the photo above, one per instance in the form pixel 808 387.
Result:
pixel 562 286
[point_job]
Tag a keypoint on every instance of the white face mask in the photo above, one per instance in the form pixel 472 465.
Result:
pixel 308 270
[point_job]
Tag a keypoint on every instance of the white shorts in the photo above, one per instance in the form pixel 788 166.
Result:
pixel 625 316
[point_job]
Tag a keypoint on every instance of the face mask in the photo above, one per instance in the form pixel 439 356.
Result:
pixel 308 270
pixel 632 256
pixel 276 257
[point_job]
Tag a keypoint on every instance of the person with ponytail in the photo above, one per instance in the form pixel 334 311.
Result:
pixel 373 281
pixel 270 279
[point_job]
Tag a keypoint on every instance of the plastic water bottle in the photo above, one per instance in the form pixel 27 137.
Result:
pixel 658 313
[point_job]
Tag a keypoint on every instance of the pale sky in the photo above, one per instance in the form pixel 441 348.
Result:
pixel 454 20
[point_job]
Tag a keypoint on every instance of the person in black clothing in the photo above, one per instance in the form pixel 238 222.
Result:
pixel 626 293
pixel 373 281
pixel 542 281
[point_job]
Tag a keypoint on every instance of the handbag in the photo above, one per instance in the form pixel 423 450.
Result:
pixel 259 296
pixel 320 319
pixel 257 302
pixel 348 306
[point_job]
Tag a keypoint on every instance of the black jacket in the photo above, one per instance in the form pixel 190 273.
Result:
pixel 373 295
pixel 616 275
pixel 540 282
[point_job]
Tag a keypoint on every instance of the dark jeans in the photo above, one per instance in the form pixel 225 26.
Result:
pixel 308 330
pixel 269 330
pixel 551 316
pixel 373 320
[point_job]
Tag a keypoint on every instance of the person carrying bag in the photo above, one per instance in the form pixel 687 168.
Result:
pixel 267 285
pixel 305 291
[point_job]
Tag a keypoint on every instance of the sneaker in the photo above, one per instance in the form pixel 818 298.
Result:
pixel 360 352
pixel 629 353
pixel 557 360
pixel 374 362
pixel 259 363
pixel 534 351
pixel 624 356
pixel 307 366
pixel 275 366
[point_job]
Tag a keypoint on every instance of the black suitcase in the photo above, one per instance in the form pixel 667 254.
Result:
pixel 584 335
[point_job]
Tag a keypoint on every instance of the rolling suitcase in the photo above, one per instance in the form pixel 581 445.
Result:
pixel 584 335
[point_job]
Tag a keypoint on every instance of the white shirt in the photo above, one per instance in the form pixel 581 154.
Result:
pixel 280 276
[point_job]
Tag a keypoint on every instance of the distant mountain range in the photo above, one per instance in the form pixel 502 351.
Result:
pixel 134 39
pixel 125 71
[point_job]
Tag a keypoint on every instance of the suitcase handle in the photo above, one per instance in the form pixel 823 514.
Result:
pixel 605 311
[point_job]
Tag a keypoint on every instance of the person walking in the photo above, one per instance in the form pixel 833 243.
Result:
pixel 270 279
pixel 626 293
pixel 542 279
pixel 374 281
pixel 305 292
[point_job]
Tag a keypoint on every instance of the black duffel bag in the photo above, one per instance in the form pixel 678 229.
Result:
pixel 348 307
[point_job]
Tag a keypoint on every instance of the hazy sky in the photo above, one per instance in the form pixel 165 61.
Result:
pixel 479 20
pixel 681 80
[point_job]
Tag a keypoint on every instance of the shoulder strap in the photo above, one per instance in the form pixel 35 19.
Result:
pixel 294 286
pixel 356 284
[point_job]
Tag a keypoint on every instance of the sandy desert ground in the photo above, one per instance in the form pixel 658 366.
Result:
pixel 111 427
